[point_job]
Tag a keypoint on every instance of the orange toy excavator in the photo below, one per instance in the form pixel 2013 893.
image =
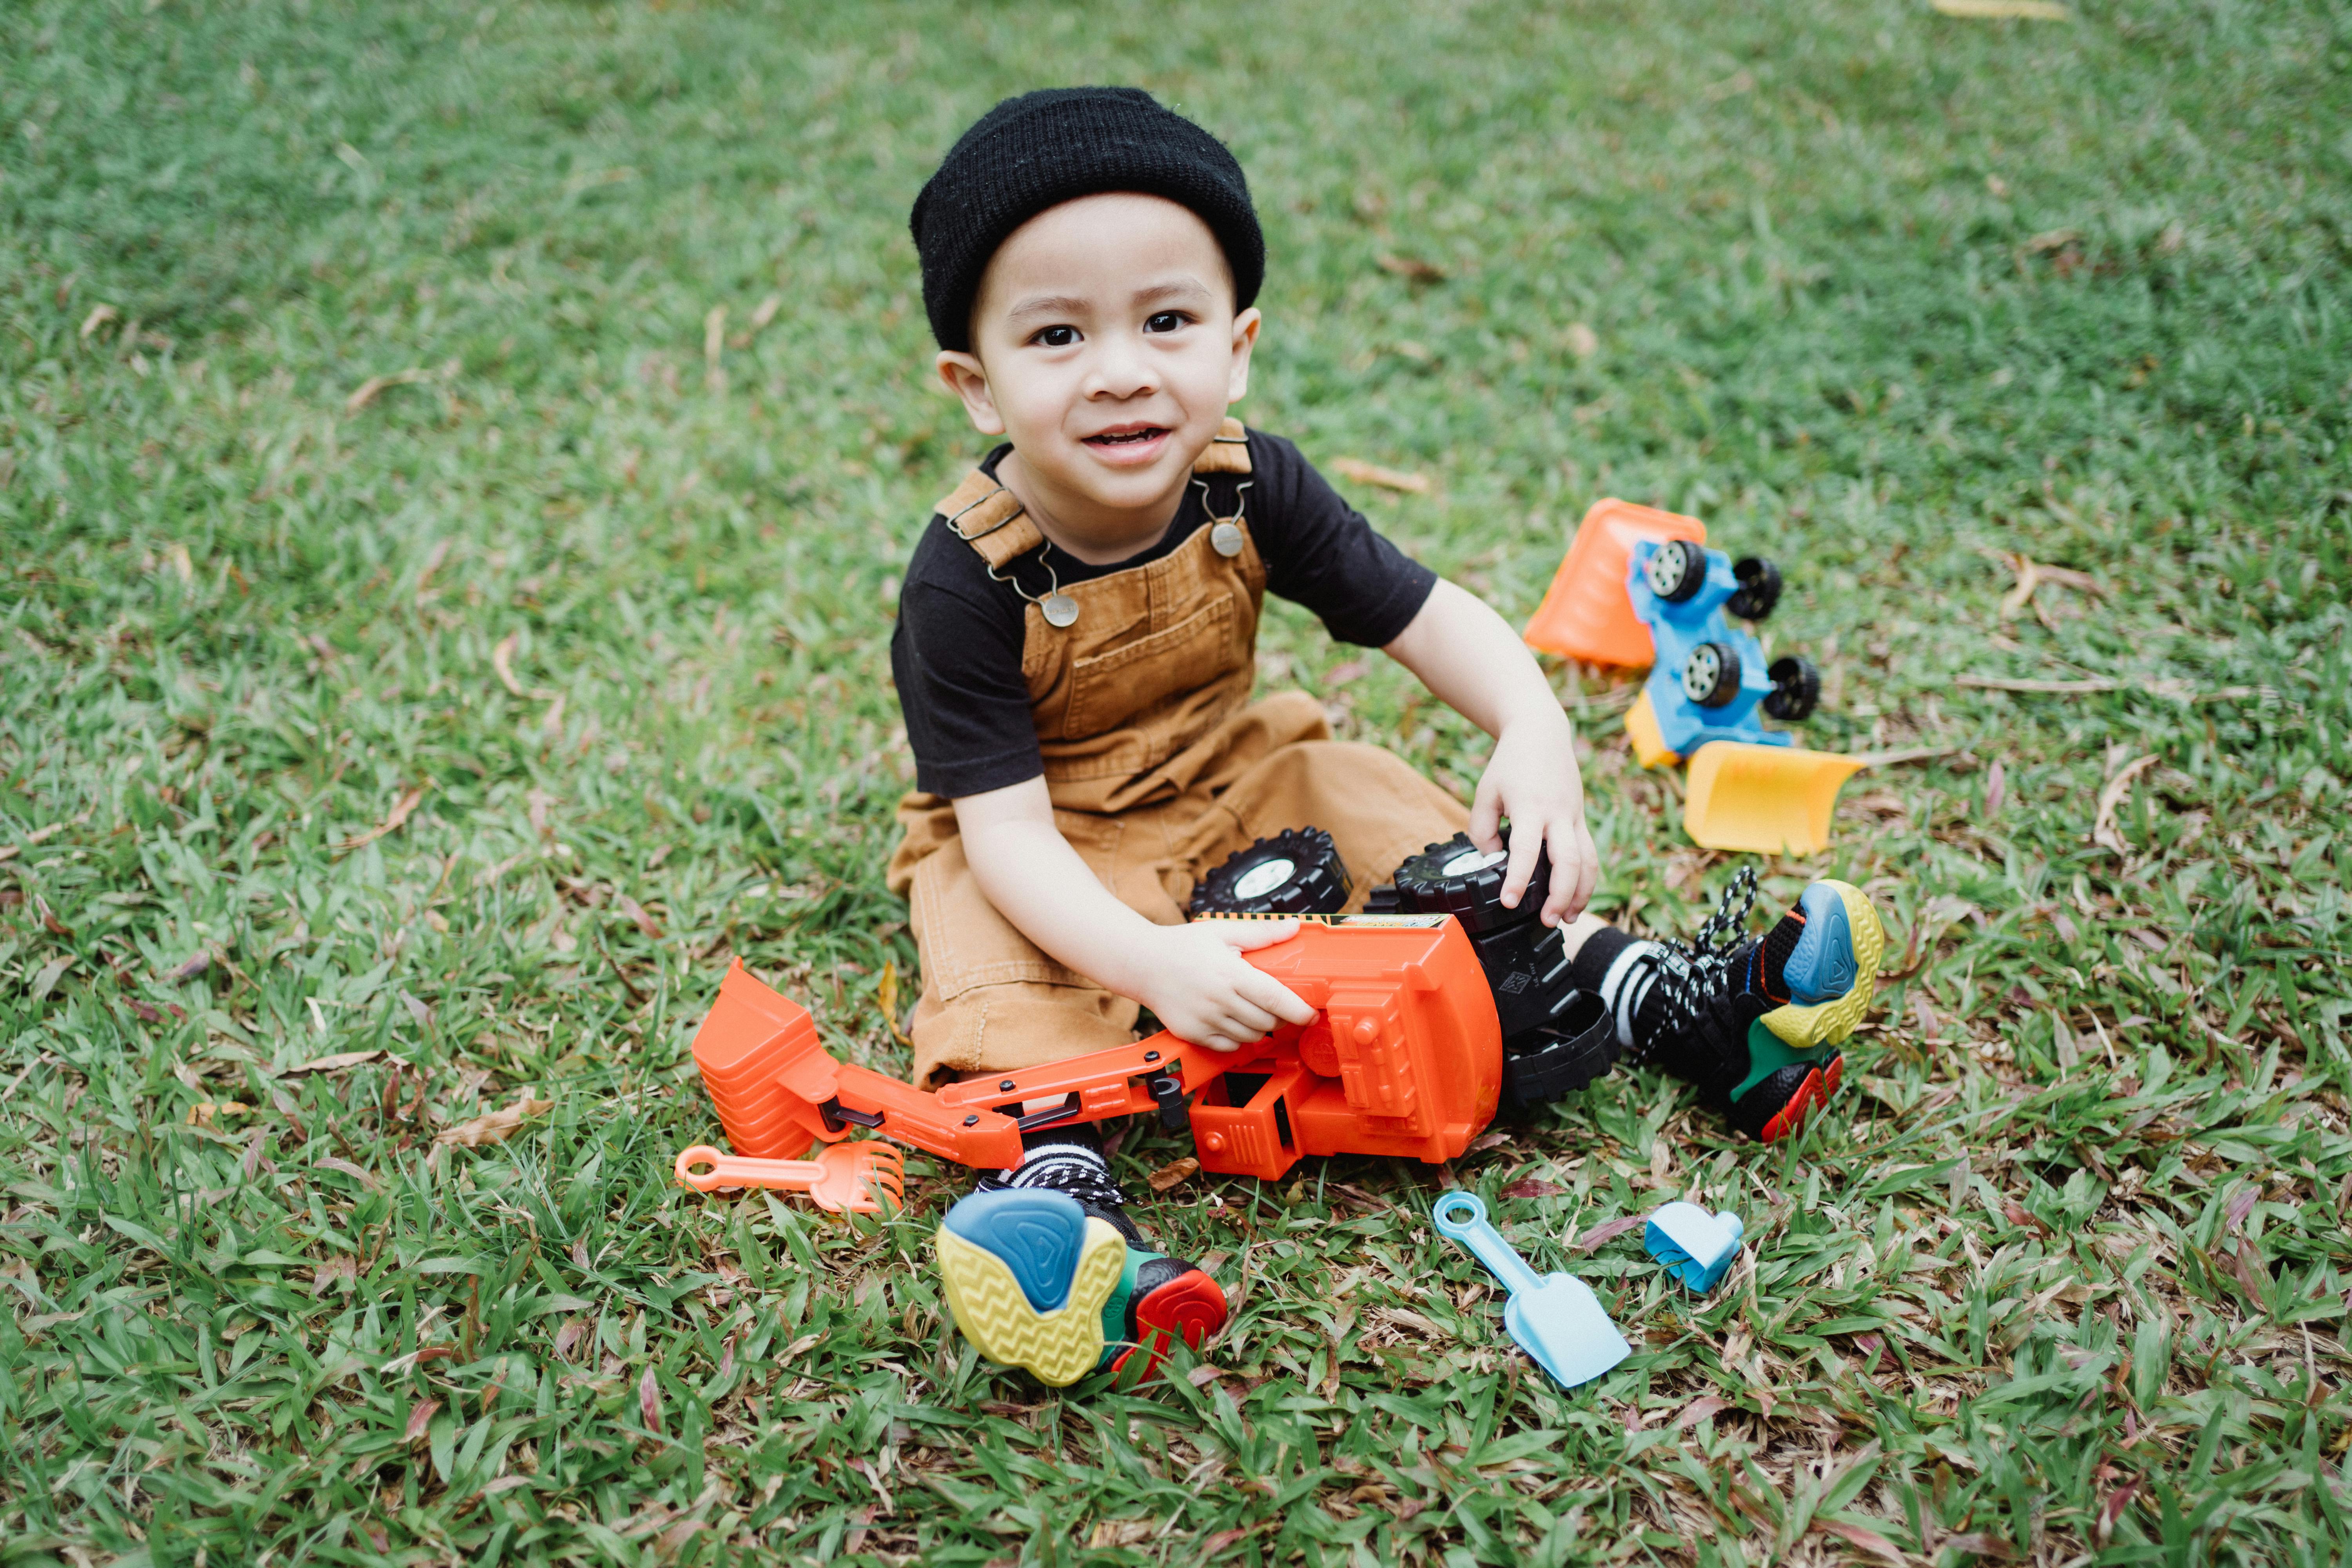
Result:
pixel 1404 1057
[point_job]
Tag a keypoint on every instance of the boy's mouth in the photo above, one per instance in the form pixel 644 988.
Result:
pixel 1126 440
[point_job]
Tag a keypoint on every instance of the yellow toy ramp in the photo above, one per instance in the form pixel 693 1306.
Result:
pixel 1649 741
pixel 1766 800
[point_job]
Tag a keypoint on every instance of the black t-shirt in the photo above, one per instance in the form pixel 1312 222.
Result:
pixel 956 653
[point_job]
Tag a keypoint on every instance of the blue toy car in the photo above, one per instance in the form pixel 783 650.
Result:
pixel 1708 680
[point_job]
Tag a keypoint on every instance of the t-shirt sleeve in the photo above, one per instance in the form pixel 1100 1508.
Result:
pixel 956 656
pixel 1321 554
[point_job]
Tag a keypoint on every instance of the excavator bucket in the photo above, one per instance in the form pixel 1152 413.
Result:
pixel 1585 613
pixel 1766 800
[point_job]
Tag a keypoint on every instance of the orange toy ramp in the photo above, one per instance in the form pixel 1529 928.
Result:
pixel 1766 800
pixel 1586 613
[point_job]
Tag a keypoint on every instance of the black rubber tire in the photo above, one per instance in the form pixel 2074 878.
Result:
pixel 1796 689
pixel 1760 588
pixel 1677 571
pixel 1711 674
pixel 1315 883
pixel 1528 972
pixel 1472 894
pixel 1542 1067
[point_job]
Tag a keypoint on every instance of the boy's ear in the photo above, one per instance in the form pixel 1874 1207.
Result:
pixel 1245 327
pixel 961 373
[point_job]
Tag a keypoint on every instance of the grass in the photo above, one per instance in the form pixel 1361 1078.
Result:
pixel 606 575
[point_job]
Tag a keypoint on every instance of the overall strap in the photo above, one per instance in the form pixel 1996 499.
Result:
pixel 985 514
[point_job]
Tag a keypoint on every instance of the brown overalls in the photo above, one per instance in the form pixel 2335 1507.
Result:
pixel 1159 767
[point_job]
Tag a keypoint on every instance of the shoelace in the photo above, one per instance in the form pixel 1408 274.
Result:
pixel 1080 1177
pixel 1691 971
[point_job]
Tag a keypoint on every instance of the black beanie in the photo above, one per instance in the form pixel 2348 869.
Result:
pixel 1054 145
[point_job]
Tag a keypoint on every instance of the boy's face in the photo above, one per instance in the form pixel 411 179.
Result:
pixel 1107 349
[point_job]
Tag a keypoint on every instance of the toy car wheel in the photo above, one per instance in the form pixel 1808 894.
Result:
pixel 1796 689
pixel 1760 588
pixel 1677 571
pixel 1711 674
pixel 1457 877
pixel 1296 872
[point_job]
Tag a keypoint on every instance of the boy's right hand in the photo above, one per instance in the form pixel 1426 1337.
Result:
pixel 1205 992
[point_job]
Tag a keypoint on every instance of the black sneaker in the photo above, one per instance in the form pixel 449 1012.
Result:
pixel 1756 1023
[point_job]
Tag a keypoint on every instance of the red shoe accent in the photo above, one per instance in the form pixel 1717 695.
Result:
pixel 1830 1079
pixel 1791 1116
pixel 1190 1306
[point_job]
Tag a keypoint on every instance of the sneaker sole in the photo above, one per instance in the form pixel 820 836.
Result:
pixel 1059 1347
pixel 1189 1308
pixel 1829 1023
pixel 1809 1097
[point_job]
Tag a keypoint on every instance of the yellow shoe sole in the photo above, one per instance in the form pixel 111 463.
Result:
pixel 1827 1023
pixel 1059 1347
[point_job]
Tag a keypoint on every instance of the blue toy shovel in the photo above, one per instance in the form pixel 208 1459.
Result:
pixel 1693 1244
pixel 1555 1319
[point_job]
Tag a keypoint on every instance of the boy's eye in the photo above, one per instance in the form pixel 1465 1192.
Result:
pixel 1056 337
pixel 1165 321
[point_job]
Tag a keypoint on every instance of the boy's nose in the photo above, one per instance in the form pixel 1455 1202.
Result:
pixel 1121 368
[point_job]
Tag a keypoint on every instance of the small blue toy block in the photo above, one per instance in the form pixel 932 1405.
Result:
pixel 1695 1247
pixel 1709 676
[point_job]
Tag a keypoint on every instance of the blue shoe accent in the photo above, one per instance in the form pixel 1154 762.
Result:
pixel 1036 1233
pixel 1823 966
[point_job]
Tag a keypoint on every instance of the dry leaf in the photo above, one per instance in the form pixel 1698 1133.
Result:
pixel 420 1417
pixel 1996 789
pixel 46 981
pixel 1698 1410
pixel 391 824
pixel 649 1402
pixel 194 967
pixel 637 917
pixel 1533 1188
pixel 1980 1544
pixel 361 1173
pixel 204 1111
pixel 1364 473
pixel 97 318
pixel 2004 10
pixel 1869 1541
pixel 1413 267
pixel 886 992
pixel 502 661
pixel 346 1269
pixel 1582 341
pixel 335 1063
pixel 1174 1174
pixel 2104 831
pixel 569 1335
pixel 1604 1232
pixel 2253 1274
pixel 375 384
pixel 2029 577
pixel 2240 1207
pixel 767 312
pixel 496 1126
pixel 2111 1509
pixel 1930 1027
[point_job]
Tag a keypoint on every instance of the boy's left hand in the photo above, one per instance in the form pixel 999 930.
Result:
pixel 1532 780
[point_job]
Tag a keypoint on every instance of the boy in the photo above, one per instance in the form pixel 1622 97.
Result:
pixel 1074 655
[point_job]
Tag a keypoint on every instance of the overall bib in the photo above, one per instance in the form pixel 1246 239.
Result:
pixel 1159 767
